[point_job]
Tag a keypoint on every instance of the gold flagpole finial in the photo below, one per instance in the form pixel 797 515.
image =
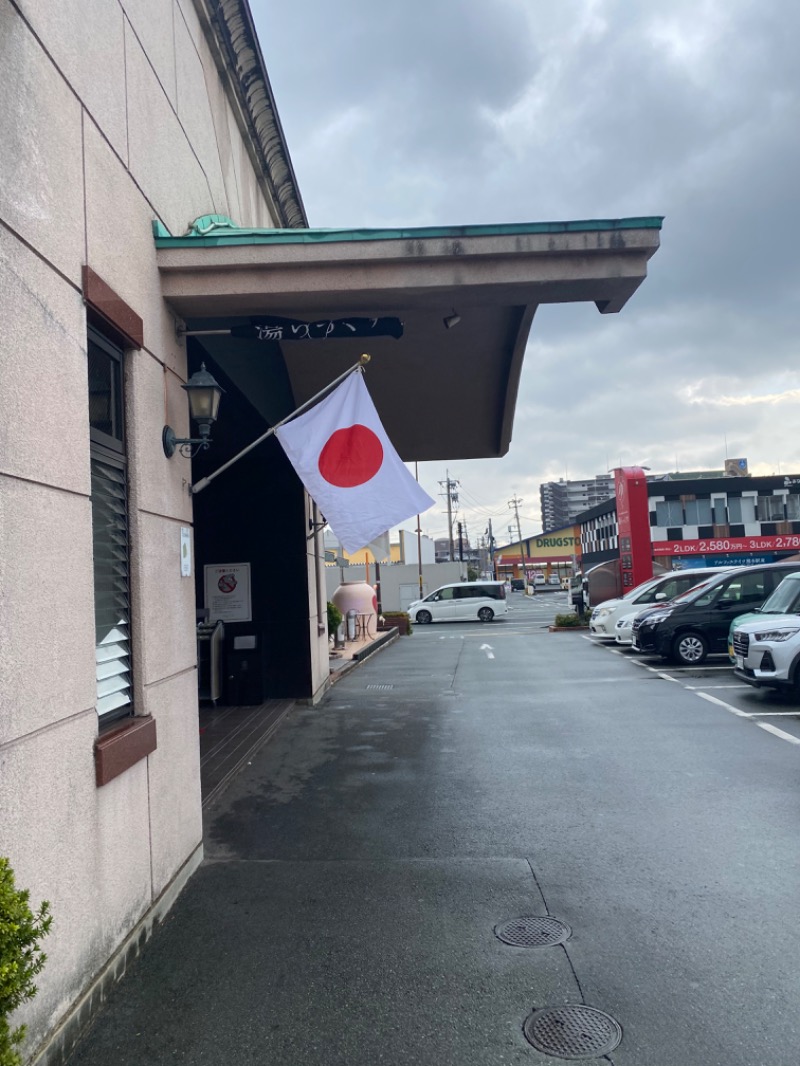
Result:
pixel 364 359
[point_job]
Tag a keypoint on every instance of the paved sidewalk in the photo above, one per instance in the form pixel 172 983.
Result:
pixel 358 866
pixel 318 931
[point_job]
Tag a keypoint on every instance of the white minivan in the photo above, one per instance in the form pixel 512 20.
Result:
pixel 465 601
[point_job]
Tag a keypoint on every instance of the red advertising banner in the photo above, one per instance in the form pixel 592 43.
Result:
pixel 782 542
pixel 633 519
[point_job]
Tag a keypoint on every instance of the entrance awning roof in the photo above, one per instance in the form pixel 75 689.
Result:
pixel 442 394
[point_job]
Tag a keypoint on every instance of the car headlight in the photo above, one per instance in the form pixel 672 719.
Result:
pixel 777 634
pixel 600 612
pixel 624 623
pixel 654 619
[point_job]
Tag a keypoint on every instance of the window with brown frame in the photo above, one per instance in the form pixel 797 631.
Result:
pixel 109 477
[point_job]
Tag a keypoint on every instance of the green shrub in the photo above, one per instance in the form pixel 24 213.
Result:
pixel 334 621
pixel 21 958
pixel 568 621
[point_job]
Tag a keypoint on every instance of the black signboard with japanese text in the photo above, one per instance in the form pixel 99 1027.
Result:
pixel 273 328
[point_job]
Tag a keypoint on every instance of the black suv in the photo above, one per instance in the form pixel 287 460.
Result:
pixel 691 626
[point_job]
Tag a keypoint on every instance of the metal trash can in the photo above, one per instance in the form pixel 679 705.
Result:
pixel 351 621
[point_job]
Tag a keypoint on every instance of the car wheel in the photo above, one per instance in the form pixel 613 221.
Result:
pixel 689 649
pixel 486 614
pixel 423 617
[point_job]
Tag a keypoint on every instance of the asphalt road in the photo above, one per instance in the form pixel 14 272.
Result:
pixel 467 775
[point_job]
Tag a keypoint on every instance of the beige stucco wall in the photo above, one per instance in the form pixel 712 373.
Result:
pixel 100 133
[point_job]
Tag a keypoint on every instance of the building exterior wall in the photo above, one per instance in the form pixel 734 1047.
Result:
pixel 100 133
pixel 720 521
pixel 399 582
pixel 557 551
pixel 562 500
pixel 408 548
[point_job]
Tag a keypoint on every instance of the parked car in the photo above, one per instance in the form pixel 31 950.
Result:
pixel 517 584
pixel 784 600
pixel 657 590
pixel 766 644
pixel 623 629
pixel 465 601
pixel 688 628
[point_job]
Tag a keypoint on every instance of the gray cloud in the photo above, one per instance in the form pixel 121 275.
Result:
pixel 519 110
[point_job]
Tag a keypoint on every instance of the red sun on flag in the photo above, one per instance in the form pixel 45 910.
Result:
pixel 351 456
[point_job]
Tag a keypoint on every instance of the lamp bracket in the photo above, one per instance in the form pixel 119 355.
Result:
pixel 187 446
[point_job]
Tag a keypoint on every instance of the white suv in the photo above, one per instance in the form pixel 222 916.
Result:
pixel 766 650
pixel 767 653
pixel 657 590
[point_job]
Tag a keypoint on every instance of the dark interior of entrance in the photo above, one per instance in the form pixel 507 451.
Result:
pixel 254 513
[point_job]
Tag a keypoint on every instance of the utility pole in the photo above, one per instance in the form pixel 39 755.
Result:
pixel 491 550
pixel 460 544
pixel 515 502
pixel 452 500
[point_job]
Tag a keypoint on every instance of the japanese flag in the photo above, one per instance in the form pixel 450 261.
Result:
pixel 347 463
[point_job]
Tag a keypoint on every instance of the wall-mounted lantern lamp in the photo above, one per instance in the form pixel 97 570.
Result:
pixel 204 396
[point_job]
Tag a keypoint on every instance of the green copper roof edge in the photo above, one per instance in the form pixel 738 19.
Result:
pixel 322 236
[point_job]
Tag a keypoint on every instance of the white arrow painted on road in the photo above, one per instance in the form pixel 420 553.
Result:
pixel 488 649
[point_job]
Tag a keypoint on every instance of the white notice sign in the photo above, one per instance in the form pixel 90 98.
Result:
pixel 186 551
pixel 227 589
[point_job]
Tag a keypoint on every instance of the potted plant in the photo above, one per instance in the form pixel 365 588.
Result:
pixel 335 619
pixel 397 620
pixel 569 621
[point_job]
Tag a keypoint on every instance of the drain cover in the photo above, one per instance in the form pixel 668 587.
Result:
pixel 531 931
pixel 575 1032
pixel 380 688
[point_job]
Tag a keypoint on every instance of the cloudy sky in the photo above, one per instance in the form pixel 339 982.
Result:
pixel 445 112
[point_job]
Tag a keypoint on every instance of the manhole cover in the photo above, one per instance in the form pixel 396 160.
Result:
pixel 531 931
pixel 380 688
pixel 576 1032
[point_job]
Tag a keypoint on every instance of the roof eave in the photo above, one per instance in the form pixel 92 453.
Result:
pixel 232 36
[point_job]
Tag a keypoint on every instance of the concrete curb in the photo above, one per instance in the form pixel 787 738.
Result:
pixel 383 641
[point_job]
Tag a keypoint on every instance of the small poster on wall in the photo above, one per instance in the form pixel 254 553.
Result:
pixel 186 551
pixel 227 592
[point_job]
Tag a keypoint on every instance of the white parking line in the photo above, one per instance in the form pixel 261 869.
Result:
pixel 780 733
pixel 775 714
pixel 654 670
pixel 696 688
pixel 595 680
pixel 743 714
pixel 722 703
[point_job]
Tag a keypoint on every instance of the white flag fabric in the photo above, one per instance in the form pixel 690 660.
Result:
pixel 380 548
pixel 349 467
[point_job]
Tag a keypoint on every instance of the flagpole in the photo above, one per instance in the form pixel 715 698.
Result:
pixel 419 537
pixel 204 481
